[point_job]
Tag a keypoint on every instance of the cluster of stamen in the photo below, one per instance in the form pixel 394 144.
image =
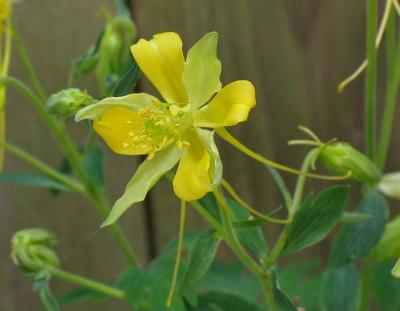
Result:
pixel 159 128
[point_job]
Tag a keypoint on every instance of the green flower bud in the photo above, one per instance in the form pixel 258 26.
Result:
pixel 68 101
pixel 340 158
pixel 390 185
pixel 114 53
pixel 30 250
pixel 396 269
pixel 388 247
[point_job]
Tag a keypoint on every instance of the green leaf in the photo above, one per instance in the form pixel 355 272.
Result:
pixel 41 285
pixel 81 294
pixel 225 277
pixel 282 301
pixel 281 185
pixel 355 241
pixel 133 282
pixel 202 70
pixel 386 288
pixel 316 218
pixel 222 301
pixel 302 284
pixel 251 237
pixel 339 289
pixel 93 165
pixel 201 256
pixel 209 202
pixel 148 173
pixel 128 81
pixel 87 61
pixel 32 179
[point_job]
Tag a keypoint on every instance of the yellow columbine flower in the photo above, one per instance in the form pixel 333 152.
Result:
pixel 5 9
pixel 178 129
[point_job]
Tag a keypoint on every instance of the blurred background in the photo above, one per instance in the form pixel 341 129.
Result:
pixel 295 52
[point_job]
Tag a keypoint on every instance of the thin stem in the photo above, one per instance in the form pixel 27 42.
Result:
pixel 366 268
pixel 37 86
pixel 231 238
pixel 102 205
pixel 74 158
pixel 249 208
pixel 224 134
pixel 393 82
pixel 370 91
pixel 268 288
pixel 43 167
pixel 381 31
pixel 178 253
pixel 88 283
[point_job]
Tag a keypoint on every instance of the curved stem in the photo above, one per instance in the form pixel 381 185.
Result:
pixel 38 88
pixel 43 167
pixel 178 253
pixel 88 283
pixel 74 158
pixel 249 208
pixel 381 31
pixel 225 135
pixel 231 238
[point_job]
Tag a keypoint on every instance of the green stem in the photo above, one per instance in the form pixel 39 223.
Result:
pixel 88 283
pixel 38 88
pixel 268 289
pixel 74 158
pixel 393 69
pixel 296 203
pixel 370 91
pixel 43 167
pixel 231 238
pixel 366 268
pixel 102 205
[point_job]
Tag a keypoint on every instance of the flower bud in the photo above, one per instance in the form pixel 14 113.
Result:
pixel 340 158
pixel 114 53
pixel 388 247
pixel 68 101
pixel 30 250
pixel 396 269
pixel 390 185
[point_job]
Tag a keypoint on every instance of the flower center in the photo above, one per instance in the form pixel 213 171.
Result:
pixel 159 128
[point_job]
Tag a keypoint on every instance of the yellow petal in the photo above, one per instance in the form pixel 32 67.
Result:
pixel 133 102
pixel 192 179
pixel 119 127
pixel 229 107
pixel 161 60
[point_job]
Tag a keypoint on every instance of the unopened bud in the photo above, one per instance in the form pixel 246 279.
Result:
pixel 114 54
pixel 30 250
pixel 390 185
pixel 340 158
pixel 396 269
pixel 68 101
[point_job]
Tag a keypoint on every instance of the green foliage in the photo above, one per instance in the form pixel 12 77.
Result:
pixel 339 288
pixel 41 285
pixel 316 218
pixel 355 241
pixel 32 179
pixel 128 80
pixel 385 287
pixel 302 283
pixel 93 165
pixel 201 256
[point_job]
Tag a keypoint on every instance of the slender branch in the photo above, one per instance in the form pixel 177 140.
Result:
pixel 37 86
pixel 43 167
pixel 370 91
pixel 88 283
pixel 393 70
pixel 74 158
